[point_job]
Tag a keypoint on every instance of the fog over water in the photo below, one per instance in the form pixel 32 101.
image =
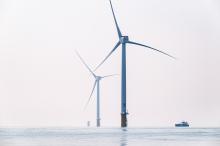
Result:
pixel 43 83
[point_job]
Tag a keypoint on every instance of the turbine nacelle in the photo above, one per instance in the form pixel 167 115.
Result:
pixel 124 39
pixel 98 78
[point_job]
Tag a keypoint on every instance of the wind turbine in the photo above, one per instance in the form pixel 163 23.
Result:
pixel 124 40
pixel 97 85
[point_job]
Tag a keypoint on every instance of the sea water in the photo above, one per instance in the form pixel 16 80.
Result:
pixel 110 137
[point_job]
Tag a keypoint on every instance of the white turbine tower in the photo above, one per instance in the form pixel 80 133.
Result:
pixel 97 85
pixel 124 40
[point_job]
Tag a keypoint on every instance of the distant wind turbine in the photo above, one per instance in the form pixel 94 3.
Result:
pixel 124 40
pixel 96 84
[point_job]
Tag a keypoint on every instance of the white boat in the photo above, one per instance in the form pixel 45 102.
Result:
pixel 182 124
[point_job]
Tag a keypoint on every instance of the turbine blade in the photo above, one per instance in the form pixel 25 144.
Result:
pixel 130 42
pixel 85 64
pixel 116 46
pixel 90 95
pixel 110 75
pixel 116 23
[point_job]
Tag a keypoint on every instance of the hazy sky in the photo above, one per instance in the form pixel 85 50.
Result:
pixel 43 83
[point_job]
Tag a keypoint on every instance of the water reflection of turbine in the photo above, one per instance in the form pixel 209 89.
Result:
pixel 123 140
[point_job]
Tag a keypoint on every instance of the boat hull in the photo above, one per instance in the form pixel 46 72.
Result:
pixel 181 125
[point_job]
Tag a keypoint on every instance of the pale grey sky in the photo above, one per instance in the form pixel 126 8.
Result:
pixel 43 83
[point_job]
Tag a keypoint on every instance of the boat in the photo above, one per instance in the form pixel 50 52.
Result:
pixel 182 124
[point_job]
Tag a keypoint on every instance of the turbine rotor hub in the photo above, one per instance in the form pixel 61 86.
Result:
pixel 124 39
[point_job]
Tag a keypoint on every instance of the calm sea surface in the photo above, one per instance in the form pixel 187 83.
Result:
pixel 110 137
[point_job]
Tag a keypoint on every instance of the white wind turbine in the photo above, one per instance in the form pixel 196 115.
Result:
pixel 97 85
